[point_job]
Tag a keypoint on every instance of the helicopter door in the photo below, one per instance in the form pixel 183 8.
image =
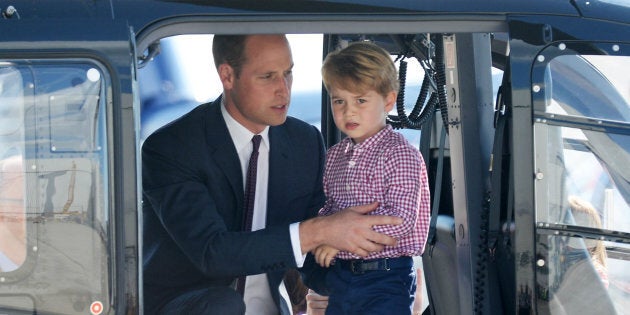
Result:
pixel 68 220
pixel 571 108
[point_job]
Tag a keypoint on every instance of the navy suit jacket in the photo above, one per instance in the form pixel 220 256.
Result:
pixel 193 204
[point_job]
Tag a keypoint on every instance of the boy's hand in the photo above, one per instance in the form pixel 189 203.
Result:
pixel 324 255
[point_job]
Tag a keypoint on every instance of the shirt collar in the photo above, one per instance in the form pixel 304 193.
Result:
pixel 369 142
pixel 241 136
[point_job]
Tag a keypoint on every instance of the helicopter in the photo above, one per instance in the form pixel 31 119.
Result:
pixel 521 110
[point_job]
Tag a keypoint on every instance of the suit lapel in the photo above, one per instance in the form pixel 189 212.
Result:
pixel 279 170
pixel 221 149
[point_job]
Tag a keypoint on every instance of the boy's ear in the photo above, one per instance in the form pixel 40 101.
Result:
pixel 390 100
pixel 226 75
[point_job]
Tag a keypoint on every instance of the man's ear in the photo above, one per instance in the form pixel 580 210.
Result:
pixel 390 101
pixel 226 75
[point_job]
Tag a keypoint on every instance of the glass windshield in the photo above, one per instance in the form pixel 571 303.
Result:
pixel 589 86
pixel 54 217
pixel 582 184
pixel 577 166
pixel 12 214
pixel 584 276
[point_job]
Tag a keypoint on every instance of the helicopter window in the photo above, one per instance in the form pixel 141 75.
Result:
pixel 594 79
pixel 582 142
pixel 582 276
pixel 581 193
pixel 12 214
pixel 581 170
pixel 54 212
pixel 587 146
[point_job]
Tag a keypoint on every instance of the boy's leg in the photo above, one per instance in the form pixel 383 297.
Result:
pixel 384 292
pixel 338 282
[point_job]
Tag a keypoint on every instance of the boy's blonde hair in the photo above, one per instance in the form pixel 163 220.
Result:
pixel 360 67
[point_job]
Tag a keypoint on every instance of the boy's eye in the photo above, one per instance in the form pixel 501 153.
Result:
pixel 337 101
pixel 361 100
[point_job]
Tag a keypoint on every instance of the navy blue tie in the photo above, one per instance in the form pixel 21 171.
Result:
pixel 250 194
pixel 250 185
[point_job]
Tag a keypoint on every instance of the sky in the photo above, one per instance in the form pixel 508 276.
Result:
pixel 205 85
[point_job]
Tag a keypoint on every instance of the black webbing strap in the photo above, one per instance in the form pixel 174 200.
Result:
pixel 436 192
pixel 496 168
pixel 509 205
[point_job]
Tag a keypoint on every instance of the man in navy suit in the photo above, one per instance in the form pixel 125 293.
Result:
pixel 194 246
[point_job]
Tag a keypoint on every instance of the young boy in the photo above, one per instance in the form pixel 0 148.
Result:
pixel 373 163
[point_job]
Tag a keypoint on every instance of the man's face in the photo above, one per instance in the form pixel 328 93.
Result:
pixel 259 96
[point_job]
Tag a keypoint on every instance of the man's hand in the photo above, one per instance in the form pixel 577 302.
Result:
pixel 316 304
pixel 348 230
pixel 324 255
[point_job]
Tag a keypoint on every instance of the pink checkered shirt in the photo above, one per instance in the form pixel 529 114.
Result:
pixel 387 169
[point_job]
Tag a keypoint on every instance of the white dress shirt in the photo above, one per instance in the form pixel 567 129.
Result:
pixel 257 297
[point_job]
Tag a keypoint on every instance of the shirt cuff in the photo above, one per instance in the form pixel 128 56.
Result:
pixel 294 230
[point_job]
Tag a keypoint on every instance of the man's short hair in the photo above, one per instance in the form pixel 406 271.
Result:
pixel 229 49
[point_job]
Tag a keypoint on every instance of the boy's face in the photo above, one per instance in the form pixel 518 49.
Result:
pixel 360 116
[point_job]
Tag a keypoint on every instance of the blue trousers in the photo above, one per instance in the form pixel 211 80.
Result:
pixel 372 292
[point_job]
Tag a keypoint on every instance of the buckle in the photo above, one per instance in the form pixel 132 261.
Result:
pixel 361 266
pixel 356 266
